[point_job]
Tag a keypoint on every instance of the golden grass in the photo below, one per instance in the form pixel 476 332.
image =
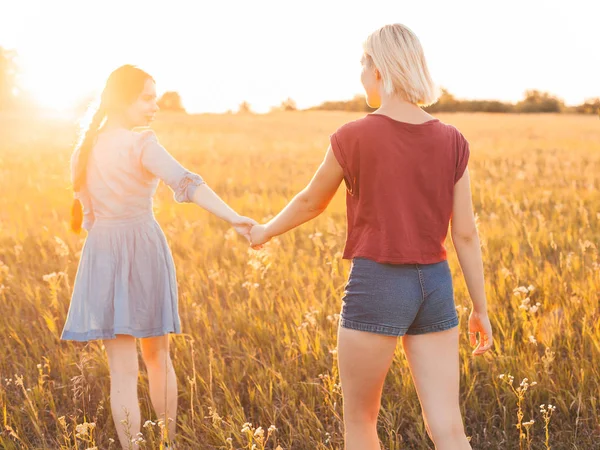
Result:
pixel 260 327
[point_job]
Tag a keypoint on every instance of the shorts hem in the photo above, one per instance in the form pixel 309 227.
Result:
pixel 436 327
pixel 111 334
pixel 372 328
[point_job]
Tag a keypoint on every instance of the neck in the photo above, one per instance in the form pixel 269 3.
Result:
pixel 396 105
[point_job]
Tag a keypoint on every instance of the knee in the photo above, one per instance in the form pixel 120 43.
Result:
pixel 124 367
pixel 445 430
pixel 364 413
pixel 158 357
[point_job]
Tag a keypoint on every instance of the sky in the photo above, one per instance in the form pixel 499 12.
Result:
pixel 218 53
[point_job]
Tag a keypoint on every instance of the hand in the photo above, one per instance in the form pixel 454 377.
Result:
pixel 258 236
pixel 480 323
pixel 243 225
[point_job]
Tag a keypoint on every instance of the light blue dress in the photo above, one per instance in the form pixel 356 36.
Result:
pixel 125 281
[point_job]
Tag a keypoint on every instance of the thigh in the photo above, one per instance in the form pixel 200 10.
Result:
pixel 434 364
pixel 153 347
pixel 364 359
pixel 122 353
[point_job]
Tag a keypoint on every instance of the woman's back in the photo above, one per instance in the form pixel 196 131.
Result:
pixel 122 176
pixel 400 178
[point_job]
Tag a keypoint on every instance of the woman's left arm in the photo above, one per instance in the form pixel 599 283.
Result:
pixel 307 204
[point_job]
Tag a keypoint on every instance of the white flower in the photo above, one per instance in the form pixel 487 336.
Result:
pixel 62 249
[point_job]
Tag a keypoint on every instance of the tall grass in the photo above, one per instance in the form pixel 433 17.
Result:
pixel 257 363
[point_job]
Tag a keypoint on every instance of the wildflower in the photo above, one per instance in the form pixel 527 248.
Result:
pixel 520 290
pixel 62 249
pixel 50 277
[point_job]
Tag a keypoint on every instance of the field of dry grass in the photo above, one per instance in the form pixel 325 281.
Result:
pixel 259 342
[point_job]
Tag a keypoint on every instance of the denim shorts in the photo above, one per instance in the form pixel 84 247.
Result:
pixel 398 299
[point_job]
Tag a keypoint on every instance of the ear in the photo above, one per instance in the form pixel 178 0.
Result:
pixel 377 74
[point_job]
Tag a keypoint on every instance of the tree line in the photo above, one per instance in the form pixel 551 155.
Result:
pixel 533 101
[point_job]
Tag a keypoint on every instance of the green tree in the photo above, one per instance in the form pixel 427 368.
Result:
pixel 288 105
pixel 171 101
pixel 539 102
pixel 244 108
pixel 591 106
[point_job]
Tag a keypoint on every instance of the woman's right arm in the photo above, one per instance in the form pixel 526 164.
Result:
pixel 188 186
pixel 468 248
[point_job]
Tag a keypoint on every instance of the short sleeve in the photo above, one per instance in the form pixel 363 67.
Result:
pixel 158 161
pixel 341 152
pixel 462 157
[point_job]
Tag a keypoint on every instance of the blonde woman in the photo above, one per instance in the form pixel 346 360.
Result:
pixel 125 286
pixel 407 179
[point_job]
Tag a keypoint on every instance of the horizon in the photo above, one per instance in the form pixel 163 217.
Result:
pixel 190 49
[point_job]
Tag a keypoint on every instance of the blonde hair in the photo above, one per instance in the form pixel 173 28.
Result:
pixel 397 54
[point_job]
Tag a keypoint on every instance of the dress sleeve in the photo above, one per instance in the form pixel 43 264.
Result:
pixel 158 161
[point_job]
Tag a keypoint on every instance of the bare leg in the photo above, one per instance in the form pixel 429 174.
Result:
pixel 123 364
pixel 434 364
pixel 162 381
pixel 364 360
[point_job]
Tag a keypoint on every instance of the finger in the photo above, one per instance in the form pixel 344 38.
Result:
pixel 478 351
pixel 483 347
pixel 489 343
pixel 473 338
pixel 248 220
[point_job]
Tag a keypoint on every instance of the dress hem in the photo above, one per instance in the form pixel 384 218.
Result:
pixel 111 334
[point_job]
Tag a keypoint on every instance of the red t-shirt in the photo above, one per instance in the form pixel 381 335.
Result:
pixel 400 185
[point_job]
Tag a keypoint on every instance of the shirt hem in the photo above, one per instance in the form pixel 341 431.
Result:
pixel 433 259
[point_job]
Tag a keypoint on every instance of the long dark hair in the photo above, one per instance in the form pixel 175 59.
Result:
pixel 122 88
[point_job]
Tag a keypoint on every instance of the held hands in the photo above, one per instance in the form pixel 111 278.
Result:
pixel 243 225
pixel 255 234
pixel 259 236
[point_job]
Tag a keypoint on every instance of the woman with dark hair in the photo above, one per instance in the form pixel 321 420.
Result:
pixel 125 286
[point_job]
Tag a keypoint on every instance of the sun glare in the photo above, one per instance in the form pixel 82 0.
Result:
pixel 55 93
